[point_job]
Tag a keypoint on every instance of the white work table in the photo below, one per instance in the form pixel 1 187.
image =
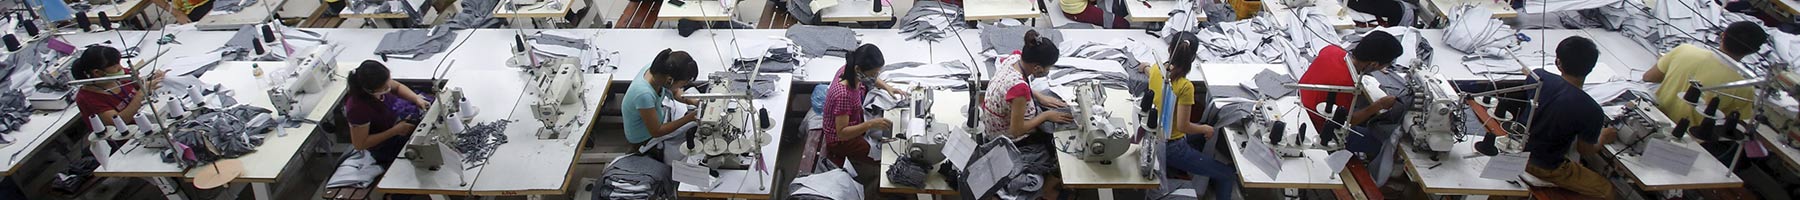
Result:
pixel 540 9
pixel 496 93
pixel 1535 52
pixel 1336 12
pixel 947 110
pixel 697 10
pixel 33 134
pixel 753 183
pixel 1310 171
pixel 1122 172
pixel 261 167
pixel 1457 172
pixel 1155 11
pixel 857 11
pixel 1707 172
pixel 1502 10
pixel 980 10
pixel 117 11
pixel 1778 144
pixel 524 155
pixel 254 14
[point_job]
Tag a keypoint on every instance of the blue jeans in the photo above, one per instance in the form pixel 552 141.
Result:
pixel 1185 157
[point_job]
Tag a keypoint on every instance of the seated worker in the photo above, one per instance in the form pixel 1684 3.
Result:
pixel 108 99
pixel 1565 113
pixel 1690 62
pixel 1088 11
pixel 642 107
pixel 187 11
pixel 1185 153
pixel 1376 51
pixel 375 125
pixel 1008 108
pixel 843 112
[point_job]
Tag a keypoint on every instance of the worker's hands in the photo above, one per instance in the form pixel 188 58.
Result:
pixel 155 80
pixel 1385 102
pixel 421 103
pixel 1052 103
pixel 1058 116
pixel 1607 134
pixel 879 123
pixel 898 92
pixel 690 116
pixel 1206 131
pixel 407 126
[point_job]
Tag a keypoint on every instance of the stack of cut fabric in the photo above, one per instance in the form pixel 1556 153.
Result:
pixel 573 45
pixel 949 74
pixel 931 21
pixel 229 133
pixel 226 7
pixel 1696 22
pixel 1004 39
pixel 415 44
pixel 815 41
pixel 762 86
pixel 14 111
pixel 777 55
pixel 635 177
pixel 1266 40
pixel 357 170
pixel 475 14
pixel 1473 31
pixel 829 185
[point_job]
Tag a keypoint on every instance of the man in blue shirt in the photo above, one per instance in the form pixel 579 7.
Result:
pixel 1563 115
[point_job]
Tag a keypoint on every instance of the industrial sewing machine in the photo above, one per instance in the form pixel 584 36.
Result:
pixel 1434 117
pixel 53 91
pixel 1642 121
pixel 437 127
pixel 1100 136
pixel 727 132
pixel 555 87
pixel 306 73
pixel 1264 123
pixel 923 145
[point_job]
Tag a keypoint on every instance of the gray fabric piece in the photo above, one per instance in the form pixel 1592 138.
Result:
pixel 14 111
pixel 1273 85
pixel 416 44
pixel 1006 39
pixel 230 132
pixel 836 184
pixel 931 21
pixel 475 14
pixel 906 172
pixel 358 169
pixel 764 84
pixel 1026 186
pixel 229 6
pixel 815 41
pixel 476 143
pixel 950 74
pixel 1281 39
pixel 778 59
pixel 635 177
pixel 1475 31
pixel 802 10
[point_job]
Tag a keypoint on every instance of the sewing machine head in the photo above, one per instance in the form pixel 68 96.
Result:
pixel 1435 114
pixel 52 92
pixel 437 126
pixel 1101 135
pixel 726 129
pixel 1642 121
pixel 555 87
pixel 306 73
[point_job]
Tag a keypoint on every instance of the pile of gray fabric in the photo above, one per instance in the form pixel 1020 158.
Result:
pixel 14 111
pixel 415 44
pixel 1004 39
pixel 908 172
pixel 1113 63
pixel 1660 30
pixel 214 135
pixel 1474 31
pixel 802 10
pixel 635 176
pixel 475 14
pixel 836 184
pixel 384 6
pixel 931 21
pixel 477 143
pixel 949 74
pixel 815 41
pixel 762 86
pixel 776 56
pixel 1272 39
pixel 225 7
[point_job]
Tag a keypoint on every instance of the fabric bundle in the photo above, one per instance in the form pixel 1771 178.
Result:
pixel 14 111
pixel 477 143
pixel 1272 39
pixel 415 44
pixel 1697 22
pixel 907 172
pixel 777 55
pixel 931 21
pixel 949 74
pixel 815 41
pixel 226 7
pixel 803 11
pixel 836 184
pixel 215 135
pixel 1474 31
pixel 635 176
pixel 1005 39
pixel 382 6
pixel 572 45
pixel 358 170
pixel 1549 6
pixel 475 14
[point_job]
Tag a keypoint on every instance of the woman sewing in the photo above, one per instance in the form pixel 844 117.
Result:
pixel 375 125
pixel 109 99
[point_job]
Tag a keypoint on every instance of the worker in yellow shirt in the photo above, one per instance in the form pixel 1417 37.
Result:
pixel 187 11
pixel 1186 138
pixel 1690 62
pixel 1087 11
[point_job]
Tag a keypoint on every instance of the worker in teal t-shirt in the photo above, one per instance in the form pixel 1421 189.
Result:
pixel 663 79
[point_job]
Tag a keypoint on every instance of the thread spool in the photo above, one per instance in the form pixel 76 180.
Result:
pixel 12 42
pixel 1681 128
pixel 105 22
pixel 81 20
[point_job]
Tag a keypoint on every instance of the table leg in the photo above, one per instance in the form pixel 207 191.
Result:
pixel 168 187
pixel 261 190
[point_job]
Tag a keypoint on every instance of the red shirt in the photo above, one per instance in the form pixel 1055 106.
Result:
pixel 93 103
pixel 1329 68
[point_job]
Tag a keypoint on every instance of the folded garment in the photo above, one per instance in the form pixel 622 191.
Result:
pixel 358 169
pixel 818 41
pixel 475 14
pixel 635 176
pixel 1004 39
pixel 14 112
pixel 906 172
pixel 836 184
pixel 415 44
pixel 931 21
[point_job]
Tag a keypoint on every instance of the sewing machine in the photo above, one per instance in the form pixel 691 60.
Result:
pixel 555 87
pixel 1642 121
pixel 923 145
pixel 437 127
pixel 726 130
pixel 1101 136
pixel 1435 115
pixel 308 73
pixel 53 91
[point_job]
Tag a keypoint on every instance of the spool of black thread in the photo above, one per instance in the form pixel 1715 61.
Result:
pixel 105 22
pixel 1681 128
pixel 1693 93
pixel 1730 130
pixel 82 21
pixel 258 49
pixel 12 42
pixel 31 29
pixel 519 43
pixel 1276 131
pixel 268 34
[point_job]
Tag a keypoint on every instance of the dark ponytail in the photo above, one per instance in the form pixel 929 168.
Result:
pixel 1181 54
pixel 864 58
pixel 676 65
pixel 1039 50
pixel 94 58
pixel 367 78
